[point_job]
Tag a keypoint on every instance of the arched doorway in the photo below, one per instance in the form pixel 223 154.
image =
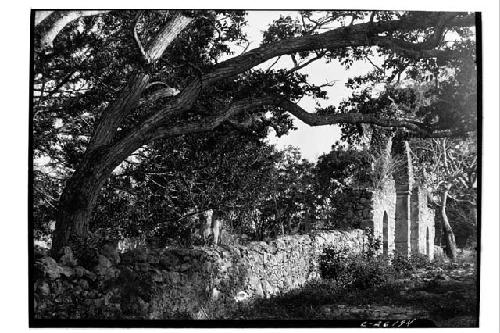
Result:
pixel 427 243
pixel 385 235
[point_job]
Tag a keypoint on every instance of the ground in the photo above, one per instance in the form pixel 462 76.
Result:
pixel 445 293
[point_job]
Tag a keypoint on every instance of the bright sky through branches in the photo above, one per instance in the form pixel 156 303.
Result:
pixel 312 141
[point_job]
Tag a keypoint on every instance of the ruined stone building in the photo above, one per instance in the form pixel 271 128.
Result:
pixel 396 211
pixel 414 221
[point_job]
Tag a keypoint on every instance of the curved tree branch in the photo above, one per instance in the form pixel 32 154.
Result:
pixel 138 41
pixel 210 123
pixel 55 21
pixel 129 98
pixel 352 36
pixel 304 64
pixel 122 149
pixel 161 93
pixel 134 140
pixel 314 119
pixel 357 35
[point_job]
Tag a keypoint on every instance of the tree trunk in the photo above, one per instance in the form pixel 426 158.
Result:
pixel 81 192
pixel 75 209
pixel 80 195
pixel 451 248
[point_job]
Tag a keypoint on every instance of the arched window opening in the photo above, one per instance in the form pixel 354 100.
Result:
pixel 385 233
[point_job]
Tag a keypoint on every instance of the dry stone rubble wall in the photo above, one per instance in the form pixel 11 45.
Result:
pixel 177 282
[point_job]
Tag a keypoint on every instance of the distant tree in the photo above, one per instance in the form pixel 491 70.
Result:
pixel 289 203
pixel 449 168
pixel 343 167
pixel 175 178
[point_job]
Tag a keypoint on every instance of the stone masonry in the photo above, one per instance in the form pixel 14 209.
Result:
pixel 373 209
pixel 176 282
pixel 397 212
pixel 414 220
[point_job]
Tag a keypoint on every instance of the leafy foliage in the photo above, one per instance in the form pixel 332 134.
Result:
pixel 355 270
pixel 343 167
pixel 231 169
pixel 404 265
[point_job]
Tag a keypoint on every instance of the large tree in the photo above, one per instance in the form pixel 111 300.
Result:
pixel 129 78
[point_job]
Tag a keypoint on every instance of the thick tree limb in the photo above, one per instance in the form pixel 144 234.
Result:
pixel 167 35
pixel 161 93
pixel 314 119
pixel 415 127
pixel 357 35
pixel 129 98
pixel 139 44
pixel 210 123
pixel 136 139
pixel 132 142
pixel 54 23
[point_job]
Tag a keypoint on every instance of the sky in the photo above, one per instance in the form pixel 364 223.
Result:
pixel 312 141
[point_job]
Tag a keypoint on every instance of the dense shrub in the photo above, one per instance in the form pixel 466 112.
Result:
pixel 366 269
pixel 402 264
pixel 358 271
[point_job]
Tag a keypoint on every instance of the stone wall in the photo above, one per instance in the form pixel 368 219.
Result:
pixel 383 216
pixel 353 209
pixel 422 224
pixel 177 283
pixel 426 226
pixel 370 208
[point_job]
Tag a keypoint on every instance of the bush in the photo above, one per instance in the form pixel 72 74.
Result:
pixel 367 269
pixel 402 264
pixel 334 265
pixel 357 271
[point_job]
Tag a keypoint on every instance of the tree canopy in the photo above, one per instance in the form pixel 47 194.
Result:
pixel 110 83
